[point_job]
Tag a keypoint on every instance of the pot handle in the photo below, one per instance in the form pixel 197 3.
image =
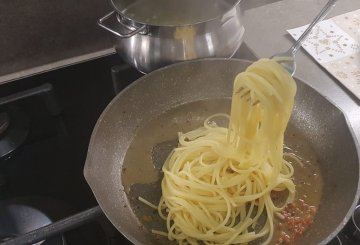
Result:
pixel 124 35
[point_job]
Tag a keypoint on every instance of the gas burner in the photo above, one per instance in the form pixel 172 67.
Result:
pixel 19 217
pixel 13 129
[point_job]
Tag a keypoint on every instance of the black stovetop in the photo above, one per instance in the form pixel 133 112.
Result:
pixel 46 171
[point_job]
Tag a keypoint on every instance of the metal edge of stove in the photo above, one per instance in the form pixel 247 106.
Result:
pixel 55 65
pixel 242 52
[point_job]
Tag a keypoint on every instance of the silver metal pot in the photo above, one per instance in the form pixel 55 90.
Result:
pixel 154 33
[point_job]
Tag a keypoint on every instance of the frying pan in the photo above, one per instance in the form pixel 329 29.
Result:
pixel 207 84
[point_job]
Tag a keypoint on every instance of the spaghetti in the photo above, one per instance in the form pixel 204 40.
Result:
pixel 218 183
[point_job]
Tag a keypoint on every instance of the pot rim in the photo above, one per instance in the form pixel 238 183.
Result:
pixel 136 23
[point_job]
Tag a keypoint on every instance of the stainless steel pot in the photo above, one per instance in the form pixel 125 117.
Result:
pixel 154 33
pixel 198 85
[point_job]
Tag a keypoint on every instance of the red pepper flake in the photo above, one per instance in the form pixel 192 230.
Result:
pixel 298 216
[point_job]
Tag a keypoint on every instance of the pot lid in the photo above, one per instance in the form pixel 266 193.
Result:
pixel 172 12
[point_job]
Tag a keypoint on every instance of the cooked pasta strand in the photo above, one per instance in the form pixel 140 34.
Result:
pixel 217 183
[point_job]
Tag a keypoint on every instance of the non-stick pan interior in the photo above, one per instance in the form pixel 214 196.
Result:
pixel 188 92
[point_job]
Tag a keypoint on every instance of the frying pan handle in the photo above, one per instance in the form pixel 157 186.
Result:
pixel 55 228
pixel 123 35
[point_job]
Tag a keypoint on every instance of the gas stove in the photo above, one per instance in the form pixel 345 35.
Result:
pixel 45 126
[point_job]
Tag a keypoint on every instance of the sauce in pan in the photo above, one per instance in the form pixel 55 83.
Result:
pixel 153 143
pixel 298 216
